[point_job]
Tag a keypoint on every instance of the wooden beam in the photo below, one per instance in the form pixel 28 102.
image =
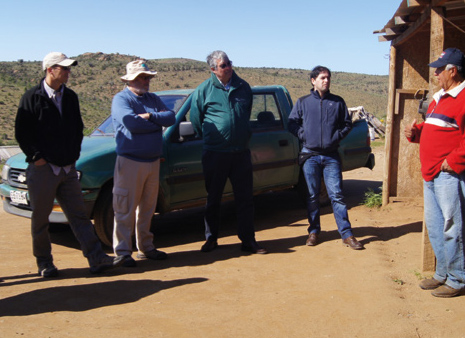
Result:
pixel 389 122
pixel 428 261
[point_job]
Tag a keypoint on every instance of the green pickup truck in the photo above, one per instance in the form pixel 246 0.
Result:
pixel 274 153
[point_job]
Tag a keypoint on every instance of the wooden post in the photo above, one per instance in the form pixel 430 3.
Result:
pixel 389 122
pixel 436 47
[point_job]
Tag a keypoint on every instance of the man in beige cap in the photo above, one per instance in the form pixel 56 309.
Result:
pixel 138 118
pixel 49 130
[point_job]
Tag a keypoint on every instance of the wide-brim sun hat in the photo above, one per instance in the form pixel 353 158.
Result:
pixel 135 68
pixel 57 59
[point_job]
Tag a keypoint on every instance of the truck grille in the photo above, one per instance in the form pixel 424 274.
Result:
pixel 18 178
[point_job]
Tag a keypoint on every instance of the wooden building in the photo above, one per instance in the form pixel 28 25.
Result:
pixel 418 31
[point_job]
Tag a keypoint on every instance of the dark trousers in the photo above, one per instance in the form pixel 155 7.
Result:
pixel 217 168
pixel 44 186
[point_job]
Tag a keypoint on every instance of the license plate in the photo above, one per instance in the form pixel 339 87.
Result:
pixel 18 197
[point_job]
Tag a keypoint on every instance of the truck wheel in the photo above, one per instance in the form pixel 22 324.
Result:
pixel 104 215
pixel 303 191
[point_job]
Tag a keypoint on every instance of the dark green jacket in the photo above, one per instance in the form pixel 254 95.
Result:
pixel 221 117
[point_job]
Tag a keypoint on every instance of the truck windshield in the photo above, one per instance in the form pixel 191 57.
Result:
pixel 173 102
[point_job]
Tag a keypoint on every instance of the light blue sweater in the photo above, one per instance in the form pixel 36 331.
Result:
pixel 136 138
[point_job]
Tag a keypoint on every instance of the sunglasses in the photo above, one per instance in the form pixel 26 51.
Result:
pixel 224 65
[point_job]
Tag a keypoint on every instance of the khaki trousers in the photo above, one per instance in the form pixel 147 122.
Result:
pixel 135 193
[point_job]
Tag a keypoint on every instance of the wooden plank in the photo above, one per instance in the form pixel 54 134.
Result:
pixel 417 3
pixel 414 27
pixel 438 3
pixel 428 259
pixel 385 38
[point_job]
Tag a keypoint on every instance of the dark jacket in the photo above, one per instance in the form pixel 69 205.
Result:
pixel 320 123
pixel 42 132
pixel 222 116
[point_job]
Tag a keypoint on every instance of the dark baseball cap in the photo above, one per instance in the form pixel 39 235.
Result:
pixel 452 56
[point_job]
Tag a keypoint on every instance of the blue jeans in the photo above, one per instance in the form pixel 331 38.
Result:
pixel 329 168
pixel 444 205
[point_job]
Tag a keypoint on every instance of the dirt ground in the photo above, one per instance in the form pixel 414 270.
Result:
pixel 294 291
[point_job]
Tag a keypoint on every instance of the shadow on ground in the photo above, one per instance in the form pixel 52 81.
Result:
pixel 77 298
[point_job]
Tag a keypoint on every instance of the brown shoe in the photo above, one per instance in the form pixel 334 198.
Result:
pixel 445 291
pixel 430 284
pixel 352 243
pixel 312 239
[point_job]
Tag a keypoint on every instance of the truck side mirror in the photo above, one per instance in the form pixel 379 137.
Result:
pixel 186 131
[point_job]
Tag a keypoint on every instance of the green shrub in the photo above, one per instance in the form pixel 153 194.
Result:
pixel 373 199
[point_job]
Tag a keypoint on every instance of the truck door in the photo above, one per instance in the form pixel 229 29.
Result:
pixel 274 149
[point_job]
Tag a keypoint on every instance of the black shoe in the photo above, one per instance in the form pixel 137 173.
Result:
pixel 210 245
pixel 129 262
pixel 48 270
pixel 154 254
pixel 106 263
pixel 254 248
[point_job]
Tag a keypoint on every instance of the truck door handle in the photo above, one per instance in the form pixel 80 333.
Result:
pixel 283 143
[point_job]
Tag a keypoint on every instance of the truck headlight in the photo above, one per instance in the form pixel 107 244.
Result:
pixel 5 172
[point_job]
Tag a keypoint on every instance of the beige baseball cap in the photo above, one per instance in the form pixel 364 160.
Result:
pixel 135 68
pixel 56 58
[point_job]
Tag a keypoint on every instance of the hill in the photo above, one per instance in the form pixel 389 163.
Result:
pixel 96 80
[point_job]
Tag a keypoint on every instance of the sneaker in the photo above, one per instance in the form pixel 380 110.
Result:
pixel 154 254
pixel 48 270
pixel 430 284
pixel 106 263
pixel 129 262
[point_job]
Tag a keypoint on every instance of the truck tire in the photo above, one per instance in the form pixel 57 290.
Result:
pixel 303 191
pixel 104 215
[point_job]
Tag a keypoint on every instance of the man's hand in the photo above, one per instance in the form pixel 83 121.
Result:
pixel 40 162
pixel 409 130
pixel 145 116
pixel 446 167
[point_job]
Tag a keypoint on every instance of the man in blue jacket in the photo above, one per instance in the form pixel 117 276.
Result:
pixel 220 113
pixel 320 120
pixel 138 117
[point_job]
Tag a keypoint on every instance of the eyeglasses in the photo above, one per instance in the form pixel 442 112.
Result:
pixel 226 64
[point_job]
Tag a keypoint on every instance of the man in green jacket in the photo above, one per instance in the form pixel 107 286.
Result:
pixel 220 113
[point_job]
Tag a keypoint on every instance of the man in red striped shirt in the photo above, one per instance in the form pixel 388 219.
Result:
pixel 442 156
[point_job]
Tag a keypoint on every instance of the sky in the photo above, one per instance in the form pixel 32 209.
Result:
pixel 297 34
